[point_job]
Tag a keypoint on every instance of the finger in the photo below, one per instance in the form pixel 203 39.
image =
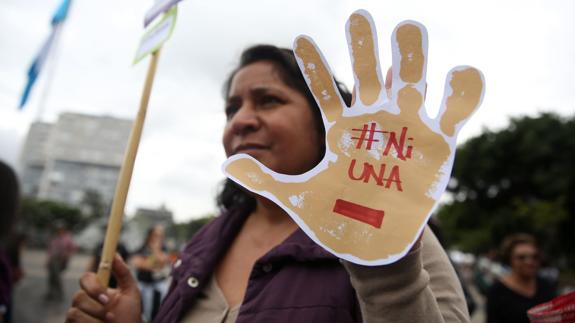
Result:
pixel 362 42
pixel 464 90
pixel 409 44
pixel 88 305
pixel 389 81
pixel 256 177
pixel 90 284
pixel 319 78
pixel 75 315
pixel 248 172
pixel 409 100
pixel 409 51
pixel 126 282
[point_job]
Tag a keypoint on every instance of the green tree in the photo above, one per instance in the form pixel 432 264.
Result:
pixel 521 178
pixel 42 215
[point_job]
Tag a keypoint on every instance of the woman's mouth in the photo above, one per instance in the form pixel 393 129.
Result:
pixel 249 147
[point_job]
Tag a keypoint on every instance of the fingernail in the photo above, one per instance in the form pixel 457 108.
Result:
pixel 109 316
pixel 103 298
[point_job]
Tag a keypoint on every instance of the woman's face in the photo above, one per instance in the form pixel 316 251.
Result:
pixel 270 121
pixel 525 260
pixel 157 234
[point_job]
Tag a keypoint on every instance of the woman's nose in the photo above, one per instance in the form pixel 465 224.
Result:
pixel 245 120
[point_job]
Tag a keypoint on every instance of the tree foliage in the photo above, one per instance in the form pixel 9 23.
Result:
pixel 519 179
pixel 43 215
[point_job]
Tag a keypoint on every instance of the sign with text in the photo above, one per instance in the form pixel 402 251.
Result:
pixel 386 162
pixel 157 35
pixel 159 7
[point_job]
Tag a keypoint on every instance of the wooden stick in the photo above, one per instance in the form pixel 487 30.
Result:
pixel 123 185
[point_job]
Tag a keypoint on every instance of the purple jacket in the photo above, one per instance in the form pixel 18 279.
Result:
pixel 297 281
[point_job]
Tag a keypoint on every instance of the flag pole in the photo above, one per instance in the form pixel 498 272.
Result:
pixel 50 63
pixel 43 57
pixel 118 205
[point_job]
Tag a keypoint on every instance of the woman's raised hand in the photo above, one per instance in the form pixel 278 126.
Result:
pixel 96 303
pixel 386 162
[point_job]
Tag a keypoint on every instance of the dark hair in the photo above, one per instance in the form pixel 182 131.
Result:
pixel 512 241
pixel 146 241
pixel 9 199
pixel 285 65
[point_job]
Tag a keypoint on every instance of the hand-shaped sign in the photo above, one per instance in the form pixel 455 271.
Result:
pixel 386 162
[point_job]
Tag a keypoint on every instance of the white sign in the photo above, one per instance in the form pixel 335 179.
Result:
pixel 159 7
pixel 386 161
pixel 156 36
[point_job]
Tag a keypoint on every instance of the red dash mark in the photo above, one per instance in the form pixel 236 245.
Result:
pixel 359 212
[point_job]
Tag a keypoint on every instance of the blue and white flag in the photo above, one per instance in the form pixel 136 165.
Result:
pixel 34 70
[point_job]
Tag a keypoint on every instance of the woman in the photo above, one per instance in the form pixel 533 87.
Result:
pixel 253 263
pixel 152 265
pixel 509 298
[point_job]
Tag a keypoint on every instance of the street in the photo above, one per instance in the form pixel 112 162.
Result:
pixel 29 303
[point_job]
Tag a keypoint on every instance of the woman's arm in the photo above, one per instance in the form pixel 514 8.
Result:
pixel 141 263
pixel 421 287
pixel 149 263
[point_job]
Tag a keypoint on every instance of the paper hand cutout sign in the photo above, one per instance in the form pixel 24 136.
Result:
pixel 386 162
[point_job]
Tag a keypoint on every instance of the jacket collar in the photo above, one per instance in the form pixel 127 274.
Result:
pixel 209 246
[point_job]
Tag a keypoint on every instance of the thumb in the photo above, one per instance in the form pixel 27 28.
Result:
pixel 464 88
pixel 251 174
pixel 126 282
pixel 259 179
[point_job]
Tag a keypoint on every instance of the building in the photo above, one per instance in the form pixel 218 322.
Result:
pixel 78 156
pixel 146 217
pixel 33 157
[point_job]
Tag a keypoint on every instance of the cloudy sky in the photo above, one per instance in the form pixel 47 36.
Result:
pixel 526 50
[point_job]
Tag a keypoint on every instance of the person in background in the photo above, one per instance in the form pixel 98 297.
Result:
pixel 60 249
pixel 509 298
pixel 9 202
pixel 152 264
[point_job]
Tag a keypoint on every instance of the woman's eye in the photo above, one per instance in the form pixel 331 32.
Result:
pixel 270 100
pixel 231 110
